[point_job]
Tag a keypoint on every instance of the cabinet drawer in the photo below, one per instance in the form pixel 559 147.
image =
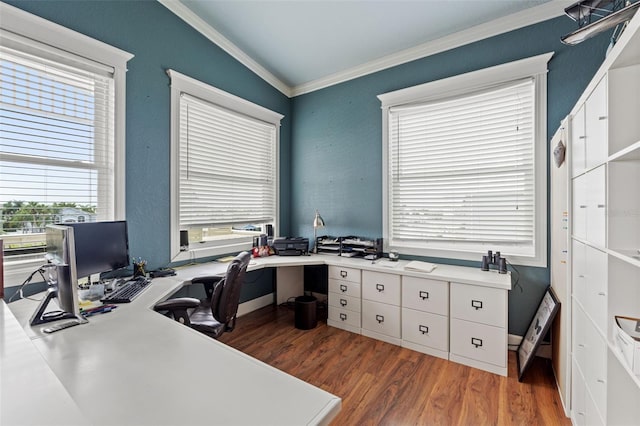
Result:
pixel 481 342
pixel 344 316
pixel 479 304
pixel 344 287
pixel 345 302
pixel 380 287
pixel 381 318
pixel 346 274
pixel 425 329
pixel 425 295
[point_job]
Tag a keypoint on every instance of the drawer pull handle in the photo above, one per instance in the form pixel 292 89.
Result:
pixel 476 304
pixel 380 319
pixel 601 206
pixel 602 293
pixel 424 295
pixel 583 206
pixel 343 288
pixel 582 137
pixel 343 302
pixel 423 329
pixel 602 117
pixel 343 317
pixel 380 287
pixel 476 342
pixel 343 274
pixel 600 381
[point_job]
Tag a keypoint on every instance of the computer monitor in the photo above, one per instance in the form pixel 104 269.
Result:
pixel 100 246
pixel 61 277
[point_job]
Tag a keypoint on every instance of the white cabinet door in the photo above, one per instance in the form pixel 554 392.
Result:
pixel 479 304
pixel 579 272
pixel 578 143
pixel 596 125
pixel 425 295
pixel 381 287
pixel 596 287
pixel 347 288
pixel 596 206
pixel 345 274
pixel 425 329
pixel 480 342
pixel 381 318
pixel 578 404
pixel 345 302
pixel 579 207
pixel 344 317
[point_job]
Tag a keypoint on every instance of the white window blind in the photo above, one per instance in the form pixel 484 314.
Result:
pixel 56 140
pixel 461 170
pixel 227 173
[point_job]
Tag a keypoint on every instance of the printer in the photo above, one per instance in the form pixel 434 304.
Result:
pixel 291 246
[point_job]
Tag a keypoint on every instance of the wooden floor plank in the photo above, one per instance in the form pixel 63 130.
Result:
pixel 384 384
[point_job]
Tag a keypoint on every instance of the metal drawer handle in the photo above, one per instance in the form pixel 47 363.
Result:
pixel 424 295
pixel 343 288
pixel 380 287
pixel 343 274
pixel 343 302
pixel 476 342
pixel 603 117
pixel 601 206
pixel 380 319
pixel 582 137
pixel 423 329
pixel 583 206
pixel 602 293
pixel 476 304
pixel 600 381
pixel 343 317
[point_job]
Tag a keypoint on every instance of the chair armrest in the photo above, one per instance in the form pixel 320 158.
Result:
pixel 180 303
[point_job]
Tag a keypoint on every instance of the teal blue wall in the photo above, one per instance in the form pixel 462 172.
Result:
pixel 160 40
pixel 337 136
pixel 331 156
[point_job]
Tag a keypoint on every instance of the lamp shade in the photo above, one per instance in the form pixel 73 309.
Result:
pixel 318 221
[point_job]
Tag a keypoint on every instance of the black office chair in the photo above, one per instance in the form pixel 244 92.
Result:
pixel 216 314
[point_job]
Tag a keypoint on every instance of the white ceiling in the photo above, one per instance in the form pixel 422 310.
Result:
pixel 300 46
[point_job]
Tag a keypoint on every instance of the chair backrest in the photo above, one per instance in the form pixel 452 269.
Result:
pixel 226 294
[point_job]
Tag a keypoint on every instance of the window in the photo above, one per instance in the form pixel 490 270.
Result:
pixel 61 135
pixel 465 165
pixel 224 169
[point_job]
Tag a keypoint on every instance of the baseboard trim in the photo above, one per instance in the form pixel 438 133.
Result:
pixel 544 350
pixel 255 304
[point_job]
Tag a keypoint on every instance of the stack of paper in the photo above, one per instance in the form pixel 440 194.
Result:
pixel 418 266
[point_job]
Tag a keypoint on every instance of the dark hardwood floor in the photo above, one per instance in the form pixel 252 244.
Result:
pixel 384 384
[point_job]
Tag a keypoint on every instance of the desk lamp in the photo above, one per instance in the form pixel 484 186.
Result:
pixel 318 222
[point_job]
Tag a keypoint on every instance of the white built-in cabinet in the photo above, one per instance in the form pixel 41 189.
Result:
pixel 465 322
pixel 604 153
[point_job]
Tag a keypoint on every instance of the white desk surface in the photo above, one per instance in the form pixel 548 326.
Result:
pixel 133 366
pixel 459 274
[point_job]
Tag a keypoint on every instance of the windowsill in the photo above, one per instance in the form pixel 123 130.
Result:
pixel 196 253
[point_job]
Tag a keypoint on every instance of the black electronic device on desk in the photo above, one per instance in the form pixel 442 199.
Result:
pixel 291 246
pixel 128 291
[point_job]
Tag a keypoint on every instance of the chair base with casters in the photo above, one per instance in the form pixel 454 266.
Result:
pixel 216 314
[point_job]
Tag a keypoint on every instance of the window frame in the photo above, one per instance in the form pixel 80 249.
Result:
pixel 36 34
pixel 459 85
pixel 181 83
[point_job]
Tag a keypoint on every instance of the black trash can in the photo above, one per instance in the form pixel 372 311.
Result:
pixel 306 312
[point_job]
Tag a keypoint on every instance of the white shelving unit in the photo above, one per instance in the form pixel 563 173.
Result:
pixel 604 151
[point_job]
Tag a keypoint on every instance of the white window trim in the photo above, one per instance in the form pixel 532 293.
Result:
pixel 181 83
pixel 18 25
pixel 464 83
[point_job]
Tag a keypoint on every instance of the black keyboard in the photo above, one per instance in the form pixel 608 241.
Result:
pixel 127 291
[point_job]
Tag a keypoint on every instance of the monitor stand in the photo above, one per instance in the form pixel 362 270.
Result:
pixel 40 316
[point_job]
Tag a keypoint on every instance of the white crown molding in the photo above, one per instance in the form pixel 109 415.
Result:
pixel 543 12
pixel 221 41
pixel 549 10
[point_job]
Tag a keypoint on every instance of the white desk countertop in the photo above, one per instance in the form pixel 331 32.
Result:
pixel 134 366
